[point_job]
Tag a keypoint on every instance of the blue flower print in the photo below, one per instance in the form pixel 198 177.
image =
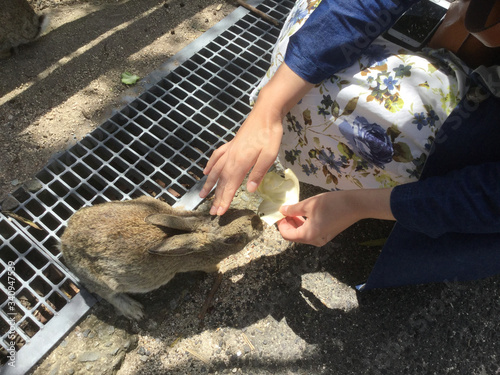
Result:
pixel 402 71
pixel 418 166
pixel 323 111
pixel 420 120
pixel 309 169
pixel 428 144
pixel 294 124
pixel 299 15
pixel 327 101
pixel 390 84
pixel 368 141
pixel 328 159
pixel 372 82
pixel 292 155
pixel 432 117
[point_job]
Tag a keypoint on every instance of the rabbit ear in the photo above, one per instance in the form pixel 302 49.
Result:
pixel 179 245
pixel 188 224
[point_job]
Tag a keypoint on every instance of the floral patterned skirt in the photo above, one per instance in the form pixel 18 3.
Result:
pixel 370 125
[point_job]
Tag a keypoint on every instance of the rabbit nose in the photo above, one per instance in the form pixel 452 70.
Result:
pixel 256 223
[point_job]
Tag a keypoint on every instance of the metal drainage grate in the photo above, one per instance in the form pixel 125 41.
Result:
pixel 157 145
pixel 35 296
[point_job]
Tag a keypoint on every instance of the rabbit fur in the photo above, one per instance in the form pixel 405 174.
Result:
pixel 19 24
pixel 139 245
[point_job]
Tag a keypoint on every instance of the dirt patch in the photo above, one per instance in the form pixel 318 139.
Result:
pixel 57 89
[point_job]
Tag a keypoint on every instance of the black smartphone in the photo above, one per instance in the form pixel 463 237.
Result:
pixel 415 27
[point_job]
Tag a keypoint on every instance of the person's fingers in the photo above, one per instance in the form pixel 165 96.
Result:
pixel 216 155
pixel 293 222
pixel 258 172
pixel 287 225
pixel 265 158
pixel 293 228
pixel 296 226
pixel 297 209
pixel 230 180
pixel 224 194
pixel 209 184
pixel 213 170
pixel 230 163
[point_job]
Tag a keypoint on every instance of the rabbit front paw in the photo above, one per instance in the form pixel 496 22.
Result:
pixel 127 306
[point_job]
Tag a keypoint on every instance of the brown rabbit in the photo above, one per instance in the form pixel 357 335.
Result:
pixel 138 245
pixel 19 24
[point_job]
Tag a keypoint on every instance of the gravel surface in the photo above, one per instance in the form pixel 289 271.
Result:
pixel 281 308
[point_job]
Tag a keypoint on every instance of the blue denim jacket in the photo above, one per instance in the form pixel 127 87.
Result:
pixel 337 32
pixel 448 223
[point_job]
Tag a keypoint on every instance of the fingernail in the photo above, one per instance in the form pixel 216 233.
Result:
pixel 220 211
pixel 213 210
pixel 203 193
pixel 284 209
pixel 252 186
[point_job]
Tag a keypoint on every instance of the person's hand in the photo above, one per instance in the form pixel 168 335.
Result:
pixel 319 219
pixel 255 145
pixel 257 142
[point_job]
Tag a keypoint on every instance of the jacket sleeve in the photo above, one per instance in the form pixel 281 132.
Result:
pixel 463 201
pixel 337 32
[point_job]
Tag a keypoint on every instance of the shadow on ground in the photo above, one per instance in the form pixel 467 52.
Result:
pixel 54 61
pixel 320 325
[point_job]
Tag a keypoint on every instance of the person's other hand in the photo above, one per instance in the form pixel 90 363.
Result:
pixel 319 219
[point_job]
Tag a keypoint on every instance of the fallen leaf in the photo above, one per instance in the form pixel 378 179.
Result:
pixel 129 78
